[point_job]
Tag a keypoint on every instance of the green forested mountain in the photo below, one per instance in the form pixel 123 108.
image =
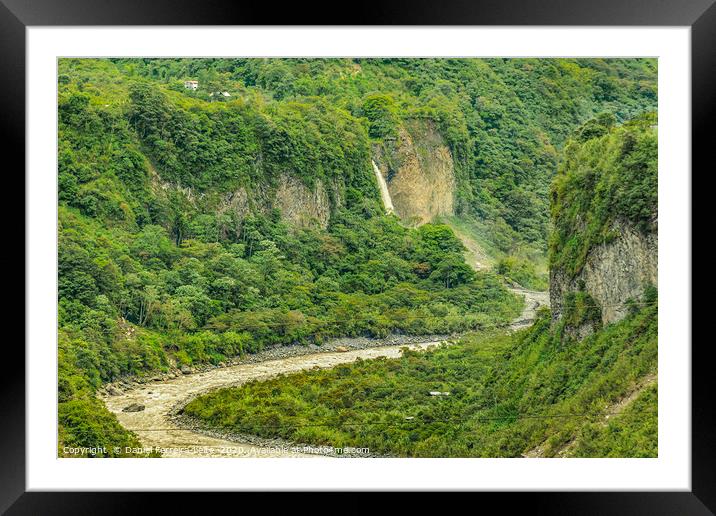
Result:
pixel 544 391
pixel 604 246
pixel 198 225
pixel 608 174
pixel 504 120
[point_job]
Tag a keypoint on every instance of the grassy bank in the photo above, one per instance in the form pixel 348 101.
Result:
pixel 508 394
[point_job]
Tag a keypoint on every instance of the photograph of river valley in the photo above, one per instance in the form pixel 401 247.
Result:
pixel 357 257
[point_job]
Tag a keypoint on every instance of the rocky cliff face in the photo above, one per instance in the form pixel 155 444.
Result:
pixel 419 171
pixel 613 273
pixel 604 245
pixel 301 206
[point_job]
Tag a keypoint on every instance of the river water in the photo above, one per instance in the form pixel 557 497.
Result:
pixel 156 429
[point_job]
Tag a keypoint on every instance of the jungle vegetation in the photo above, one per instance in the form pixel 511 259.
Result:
pixel 156 271
pixel 544 391
pixel 508 396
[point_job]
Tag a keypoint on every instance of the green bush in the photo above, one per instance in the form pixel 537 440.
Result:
pixel 86 423
pixel 521 271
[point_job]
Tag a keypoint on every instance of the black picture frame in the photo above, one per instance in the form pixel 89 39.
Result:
pixel 17 15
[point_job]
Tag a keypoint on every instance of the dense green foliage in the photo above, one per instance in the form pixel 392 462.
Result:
pixel 155 271
pixel 521 271
pixel 87 429
pixel 608 174
pixel 84 422
pixel 171 251
pixel 134 297
pixel 219 146
pixel 633 434
pixel 503 119
pixel 525 265
pixel 508 395
pixel 542 391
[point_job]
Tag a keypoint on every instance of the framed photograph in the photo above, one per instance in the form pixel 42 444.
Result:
pixel 438 249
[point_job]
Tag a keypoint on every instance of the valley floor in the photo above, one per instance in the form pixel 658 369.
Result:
pixel 158 429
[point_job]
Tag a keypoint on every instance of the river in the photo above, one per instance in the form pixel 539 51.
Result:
pixel 157 429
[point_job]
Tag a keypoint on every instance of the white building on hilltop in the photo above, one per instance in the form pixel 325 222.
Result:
pixel 191 85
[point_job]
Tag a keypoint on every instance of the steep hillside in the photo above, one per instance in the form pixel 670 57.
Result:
pixel 419 171
pixel 526 394
pixel 199 225
pixel 604 247
pixel 504 121
pixel 583 383
pixel 191 232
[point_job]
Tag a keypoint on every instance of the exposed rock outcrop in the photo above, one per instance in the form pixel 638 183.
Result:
pixel 236 202
pixel 134 407
pixel 301 206
pixel 419 171
pixel 613 273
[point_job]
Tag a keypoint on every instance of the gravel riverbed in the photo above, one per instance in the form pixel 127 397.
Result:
pixel 161 427
pixel 151 406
